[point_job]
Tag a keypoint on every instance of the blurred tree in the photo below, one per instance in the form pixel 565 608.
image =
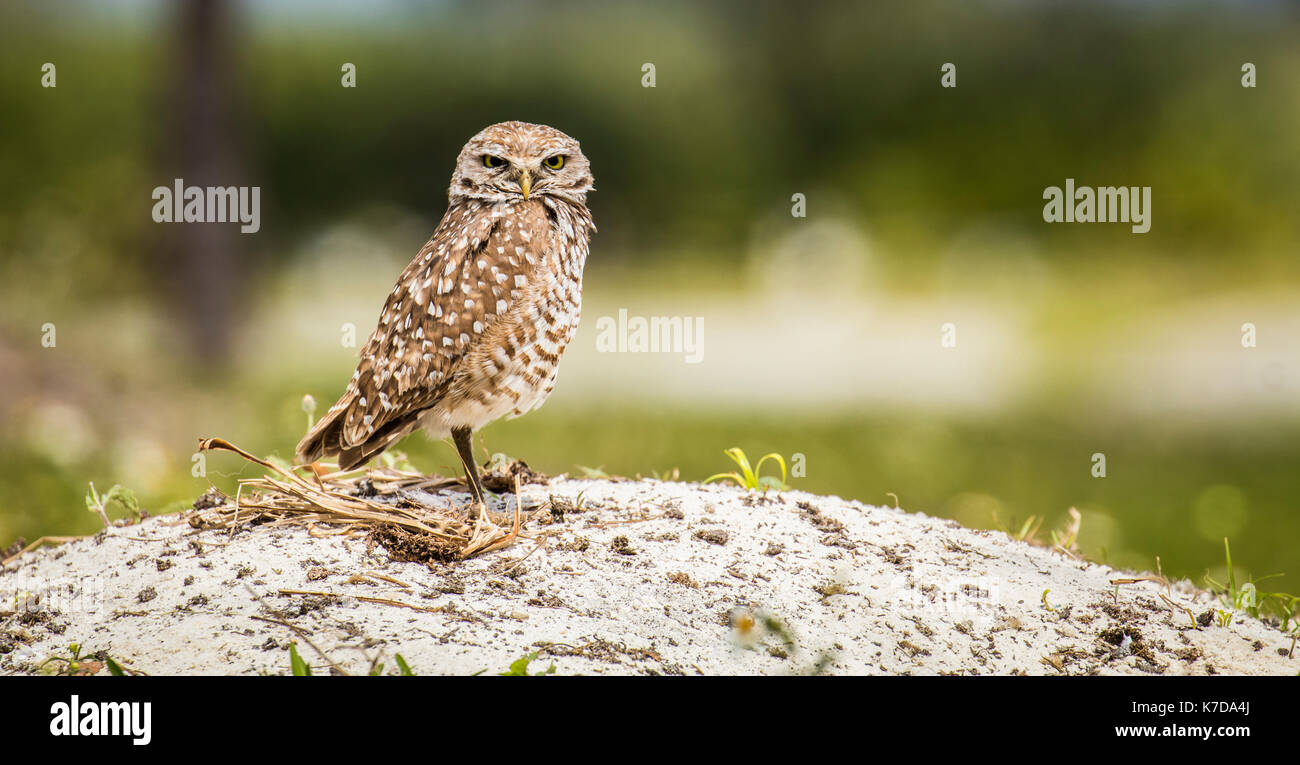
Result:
pixel 199 265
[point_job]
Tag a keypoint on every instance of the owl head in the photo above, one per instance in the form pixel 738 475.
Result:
pixel 521 160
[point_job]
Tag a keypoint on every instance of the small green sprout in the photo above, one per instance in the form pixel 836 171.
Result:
pixel 76 664
pixel 519 668
pixel 120 495
pixel 752 478
pixel 593 474
pixel 402 667
pixel 1251 600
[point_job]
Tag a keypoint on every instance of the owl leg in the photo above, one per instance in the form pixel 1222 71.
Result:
pixel 464 446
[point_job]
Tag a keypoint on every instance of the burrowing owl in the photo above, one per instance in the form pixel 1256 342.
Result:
pixel 476 324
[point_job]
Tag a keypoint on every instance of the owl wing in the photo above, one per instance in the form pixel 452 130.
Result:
pixel 463 283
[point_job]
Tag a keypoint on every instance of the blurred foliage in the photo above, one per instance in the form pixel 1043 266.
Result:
pixel 754 101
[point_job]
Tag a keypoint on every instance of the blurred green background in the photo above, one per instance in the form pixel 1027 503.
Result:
pixel 821 334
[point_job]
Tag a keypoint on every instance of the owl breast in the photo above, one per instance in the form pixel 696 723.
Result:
pixel 514 364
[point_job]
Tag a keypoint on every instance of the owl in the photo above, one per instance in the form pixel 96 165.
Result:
pixel 476 324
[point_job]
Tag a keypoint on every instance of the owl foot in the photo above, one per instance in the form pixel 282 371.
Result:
pixel 463 447
pixel 478 509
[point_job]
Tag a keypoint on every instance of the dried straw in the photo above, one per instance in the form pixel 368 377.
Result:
pixel 332 499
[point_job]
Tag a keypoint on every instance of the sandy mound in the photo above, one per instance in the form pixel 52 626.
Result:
pixel 616 578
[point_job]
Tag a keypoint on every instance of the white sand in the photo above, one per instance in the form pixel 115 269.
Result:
pixel 862 590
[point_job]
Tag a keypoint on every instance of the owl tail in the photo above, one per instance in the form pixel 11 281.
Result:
pixel 326 438
pixel 316 444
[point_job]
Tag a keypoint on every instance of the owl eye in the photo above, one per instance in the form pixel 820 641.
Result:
pixel 491 161
pixel 555 163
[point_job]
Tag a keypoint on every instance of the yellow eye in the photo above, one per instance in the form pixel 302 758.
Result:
pixel 491 161
pixel 555 163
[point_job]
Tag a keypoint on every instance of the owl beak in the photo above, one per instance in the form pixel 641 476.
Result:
pixel 525 182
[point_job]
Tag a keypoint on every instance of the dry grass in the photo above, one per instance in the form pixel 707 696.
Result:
pixel 353 502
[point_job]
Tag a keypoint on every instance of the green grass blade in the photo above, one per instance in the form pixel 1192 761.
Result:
pixel 296 664
pixel 722 476
pixel 403 666
pixel 738 455
pixel 780 461
pixel 1232 577
pixel 113 668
